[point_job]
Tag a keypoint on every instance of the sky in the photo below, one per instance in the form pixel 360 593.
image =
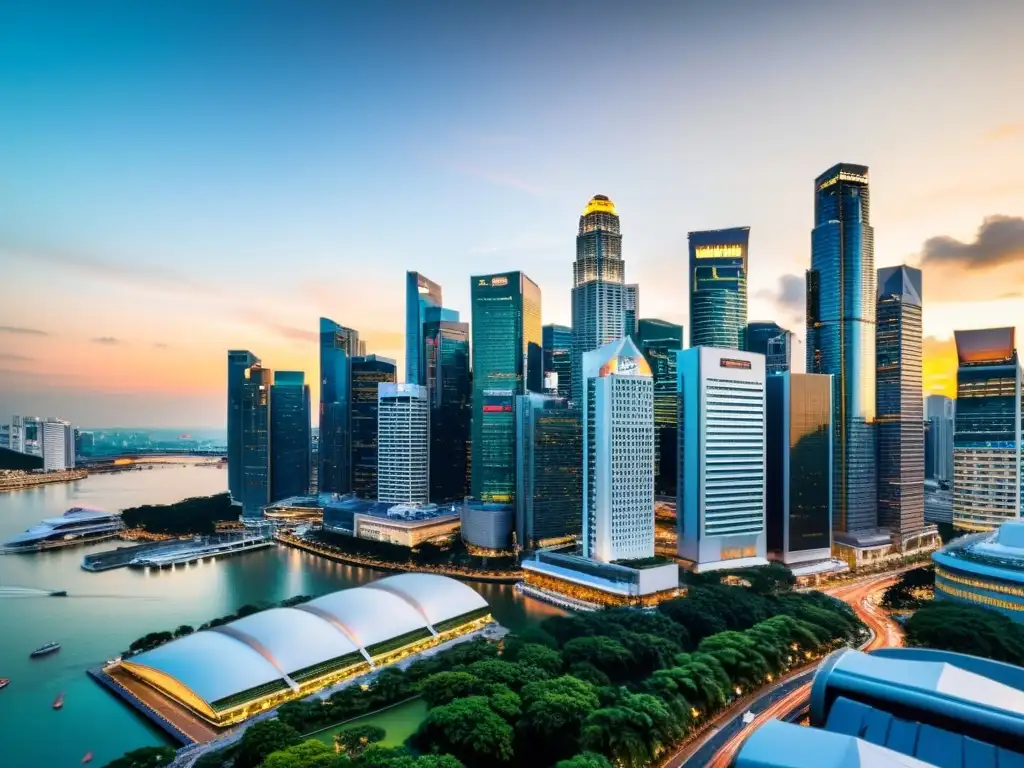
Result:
pixel 180 178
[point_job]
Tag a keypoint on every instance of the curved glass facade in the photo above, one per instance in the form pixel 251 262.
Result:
pixel 718 287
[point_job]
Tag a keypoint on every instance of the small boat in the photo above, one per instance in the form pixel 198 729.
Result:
pixel 59 701
pixel 87 758
pixel 45 650
pixel 4 682
pixel 59 593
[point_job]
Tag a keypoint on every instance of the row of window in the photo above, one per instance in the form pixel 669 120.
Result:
pixel 991 586
pixel 975 597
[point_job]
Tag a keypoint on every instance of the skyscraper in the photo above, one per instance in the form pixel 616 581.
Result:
pixel 986 444
pixel 618 453
pixel 367 373
pixel 721 497
pixel 507 361
pixel 557 342
pixel 549 472
pixel 290 435
pixel 420 295
pixel 239 361
pixel 658 341
pixel 446 354
pixel 798 509
pixel 772 341
pixel 255 416
pixel 338 345
pixel 939 413
pixel 631 310
pixel 598 293
pixel 841 336
pixel 403 444
pixel 55 436
pixel 899 401
pixel 718 287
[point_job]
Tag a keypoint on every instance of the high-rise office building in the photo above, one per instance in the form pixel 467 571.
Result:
pixel 798 508
pixel 446 353
pixel 290 435
pixel 772 341
pixel 599 291
pixel 841 337
pixel 721 498
pixel 403 462
pixel 630 309
pixel 26 435
pixel 367 373
pixel 5 436
pixel 507 361
pixel 239 361
pixel 54 437
pixel 899 401
pixel 618 453
pixel 557 343
pixel 421 294
pixel 939 414
pixel 255 416
pixel 549 471
pixel 338 345
pixel 986 442
pixel 718 287
pixel 658 341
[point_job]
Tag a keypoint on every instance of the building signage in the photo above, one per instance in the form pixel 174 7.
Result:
pixel 497 282
pixel 627 365
pixel 726 362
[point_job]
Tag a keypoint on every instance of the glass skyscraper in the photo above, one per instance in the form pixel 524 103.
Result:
pixel 338 345
pixel 446 354
pixel 507 361
pixel 420 295
pixel 841 336
pixel 367 373
pixel 658 341
pixel 718 287
pixel 772 341
pixel 631 310
pixel 239 361
pixel 255 416
pixel 939 412
pixel 557 342
pixel 599 291
pixel 899 401
pixel 290 435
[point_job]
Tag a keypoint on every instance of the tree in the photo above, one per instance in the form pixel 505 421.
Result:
pixel 536 655
pixel 261 739
pixel 621 734
pixel 698 623
pixel 585 760
pixel 514 675
pixel 308 754
pixel 553 714
pixel 146 757
pixel 183 630
pixel 354 741
pixel 469 730
pixel 505 702
pixel 969 629
pixel 445 687
pixel 608 655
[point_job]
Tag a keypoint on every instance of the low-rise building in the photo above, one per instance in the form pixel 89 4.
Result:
pixel 488 525
pixel 589 583
pixel 985 569
pixel 403 524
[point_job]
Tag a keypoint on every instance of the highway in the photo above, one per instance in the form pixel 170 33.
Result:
pixel 718 747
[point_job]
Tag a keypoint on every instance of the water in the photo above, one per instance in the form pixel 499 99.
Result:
pixel 105 611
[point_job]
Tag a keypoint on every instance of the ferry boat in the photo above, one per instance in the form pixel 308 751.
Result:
pixel 4 682
pixel 45 650
pixel 59 701
pixel 78 525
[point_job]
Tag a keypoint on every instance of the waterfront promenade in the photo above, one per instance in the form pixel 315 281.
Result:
pixel 16 480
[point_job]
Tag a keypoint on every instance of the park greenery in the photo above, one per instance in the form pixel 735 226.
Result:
pixel 146 757
pixel 198 515
pixel 913 589
pixel 948 626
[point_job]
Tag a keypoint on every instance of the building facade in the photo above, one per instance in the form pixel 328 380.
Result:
pixel 367 373
pixel 986 441
pixel 618 453
pixel 338 345
pixel 549 471
pixel 720 505
pixel 658 341
pixel 507 361
pixel 446 352
pixel 985 569
pixel 557 343
pixel 631 310
pixel 421 294
pixel 599 291
pixel 403 443
pixel 56 440
pixel 255 413
pixel 841 305
pixel 939 413
pixel 899 401
pixel 488 526
pixel 239 361
pixel 798 508
pixel 772 341
pixel 718 287
pixel 290 435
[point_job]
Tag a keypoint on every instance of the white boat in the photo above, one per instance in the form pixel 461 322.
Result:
pixel 78 525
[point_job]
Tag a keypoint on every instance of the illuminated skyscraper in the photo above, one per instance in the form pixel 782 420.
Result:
pixel 558 358
pixel 367 373
pixel 599 292
pixel 899 401
pixel 507 361
pixel 403 443
pixel 290 435
pixel 239 361
pixel 841 337
pixel 338 345
pixel 718 287
pixel 446 354
pixel 420 295
pixel 658 341
pixel 255 416
pixel 772 341
pixel 631 311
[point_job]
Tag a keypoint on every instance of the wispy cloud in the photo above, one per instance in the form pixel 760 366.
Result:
pixel 109 341
pixel 273 324
pixel 999 240
pixel 15 358
pixel 161 345
pixel 1006 131
pixel 789 295
pixel 22 331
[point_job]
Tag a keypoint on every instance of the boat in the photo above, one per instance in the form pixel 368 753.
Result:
pixel 59 701
pixel 4 682
pixel 76 526
pixel 59 593
pixel 87 758
pixel 45 650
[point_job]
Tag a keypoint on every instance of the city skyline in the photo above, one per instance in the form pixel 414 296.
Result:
pixel 194 200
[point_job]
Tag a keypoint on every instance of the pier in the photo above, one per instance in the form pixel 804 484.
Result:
pixel 165 554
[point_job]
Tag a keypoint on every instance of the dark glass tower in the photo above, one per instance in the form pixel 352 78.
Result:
pixel 239 361
pixel 599 292
pixel 420 295
pixel 446 353
pixel 255 415
pixel 658 341
pixel 338 345
pixel 367 373
pixel 772 341
pixel 631 310
pixel 557 341
pixel 899 401
pixel 290 435
pixel 841 336
pixel 718 287
pixel 507 361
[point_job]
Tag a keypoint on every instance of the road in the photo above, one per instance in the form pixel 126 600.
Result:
pixel 724 739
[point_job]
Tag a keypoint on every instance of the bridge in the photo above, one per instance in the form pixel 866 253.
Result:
pixel 157 453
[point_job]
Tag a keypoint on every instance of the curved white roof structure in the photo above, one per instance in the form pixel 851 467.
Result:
pixel 267 650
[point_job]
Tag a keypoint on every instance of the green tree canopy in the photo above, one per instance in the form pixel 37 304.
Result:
pixel 536 655
pixel 976 631
pixel 145 757
pixel 469 730
pixel 585 760
pixel 307 754
pixel 355 740
pixel 262 738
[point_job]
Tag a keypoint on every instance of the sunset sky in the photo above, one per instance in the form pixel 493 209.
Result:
pixel 181 178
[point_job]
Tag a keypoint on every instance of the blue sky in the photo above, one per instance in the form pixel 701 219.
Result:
pixel 184 177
